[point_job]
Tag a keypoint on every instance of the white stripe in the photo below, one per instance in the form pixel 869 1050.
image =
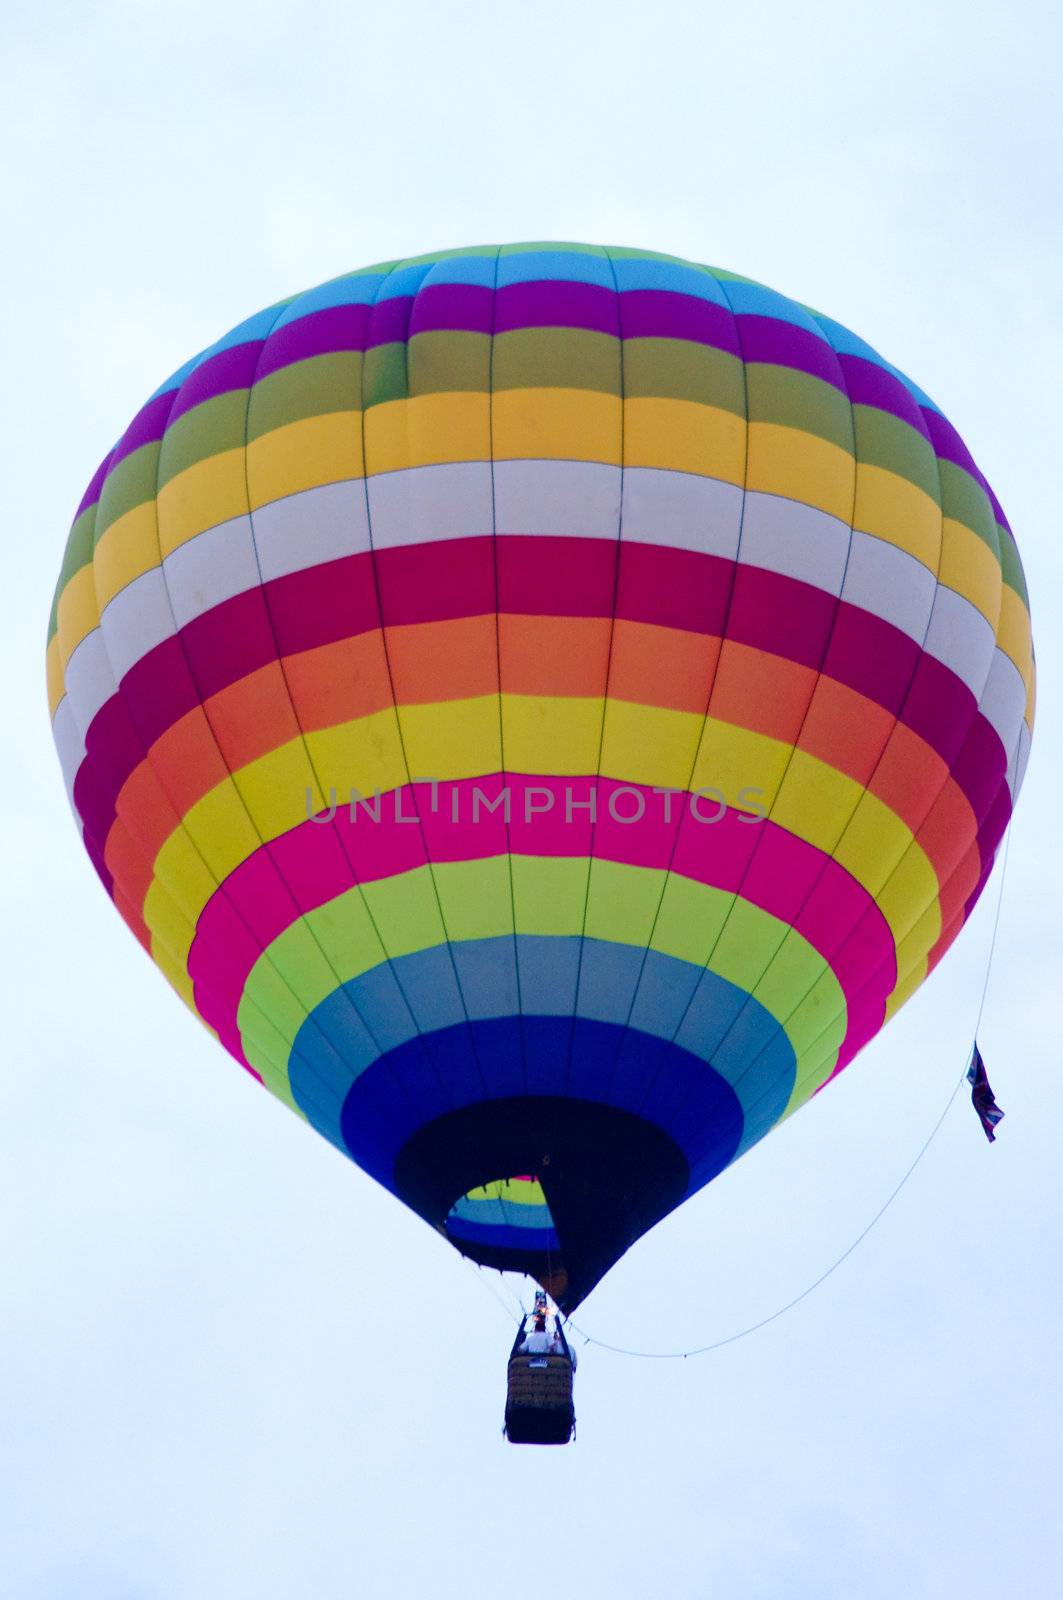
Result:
pixel 211 568
pixel 137 620
pixel 682 511
pixel 793 539
pixel 417 505
pixel 69 743
pixel 558 499
pixel 1025 741
pixel 891 584
pixel 673 510
pixel 961 639
pixel 89 678
pixel 1003 702
pixel 307 529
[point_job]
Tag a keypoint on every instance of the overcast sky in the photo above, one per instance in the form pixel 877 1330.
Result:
pixel 230 1366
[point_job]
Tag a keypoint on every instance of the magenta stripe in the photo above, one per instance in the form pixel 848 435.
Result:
pixel 456 578
pixel 315 862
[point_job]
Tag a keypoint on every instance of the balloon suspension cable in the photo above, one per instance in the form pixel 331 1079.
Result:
pixel 718 1344
pixel 489 1285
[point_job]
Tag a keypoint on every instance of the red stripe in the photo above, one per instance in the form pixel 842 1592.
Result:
pixel 555 577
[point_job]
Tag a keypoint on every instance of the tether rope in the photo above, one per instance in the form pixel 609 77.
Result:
pixel 743 1333
pixel 754 1327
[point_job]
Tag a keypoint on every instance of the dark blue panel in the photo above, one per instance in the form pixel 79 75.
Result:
pixel 399 1094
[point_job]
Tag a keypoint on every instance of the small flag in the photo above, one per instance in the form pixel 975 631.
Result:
pixel 982 1095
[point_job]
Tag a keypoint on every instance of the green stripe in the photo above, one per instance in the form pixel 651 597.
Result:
pixel 791 399
pixel 965 501
pixel 218 424
pixel 883 440
pixel 317 387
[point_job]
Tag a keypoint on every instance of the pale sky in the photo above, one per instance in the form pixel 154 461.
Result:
pixel 230 1365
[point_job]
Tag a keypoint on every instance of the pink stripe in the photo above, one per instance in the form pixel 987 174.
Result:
pixel 317 861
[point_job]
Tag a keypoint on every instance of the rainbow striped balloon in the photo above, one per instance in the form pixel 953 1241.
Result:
pixel 544 708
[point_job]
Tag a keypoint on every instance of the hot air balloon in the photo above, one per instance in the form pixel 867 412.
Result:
pixel 544 708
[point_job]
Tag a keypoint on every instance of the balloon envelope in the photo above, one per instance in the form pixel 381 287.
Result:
pixel 544 709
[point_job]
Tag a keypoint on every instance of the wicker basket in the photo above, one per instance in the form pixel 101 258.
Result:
pixel 539 1400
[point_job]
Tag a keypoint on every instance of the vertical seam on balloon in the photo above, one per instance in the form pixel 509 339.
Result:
pixel 605 687
pixel 398 719
pixel 662 1049
pixel 341 984
pixel 780 1022
pixel 899 976
pixel 785 773
pixel 176 636
pixel 886 746
pixel 302 917
pixel 498 664
pixel 90 841
pixel 705 716
pixel 942 885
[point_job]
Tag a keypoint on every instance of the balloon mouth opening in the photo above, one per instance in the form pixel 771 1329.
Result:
pixel 508 1224
pixel 586 1180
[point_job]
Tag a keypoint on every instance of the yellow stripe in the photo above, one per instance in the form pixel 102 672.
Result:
pixel 175 975
pixel 304 455
pixel 813 804
pixel 128 549
pixel 77 613
pixel 800 466
pixel 894 509
pixel 683 436
pixel 969 567
pixel 556 424
pixel 211 491
pixel 513 1192
pixel 1016 640
pixel 427 430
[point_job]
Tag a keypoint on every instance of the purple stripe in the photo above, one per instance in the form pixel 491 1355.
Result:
pixel 453 308
pixel 389 321
pixel 220 374
pixel 554 304
pixel 147 427
pixel 871 385
pixel 781 344
pixel 665 314
pixel 950 447
pixel 322 333
pixel 92 493
pixel 998 510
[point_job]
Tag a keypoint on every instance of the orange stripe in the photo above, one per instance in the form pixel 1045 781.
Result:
pixel 947 832
pixel 132 919
pixel 251 716
pixel 338 683
pixel 142 797
pixel 128 864
pixel 453 660
pixel 663 666
pixel 187 759
pixel 553 655
pixel 845 730
pixel 434 662
pixel 762 692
